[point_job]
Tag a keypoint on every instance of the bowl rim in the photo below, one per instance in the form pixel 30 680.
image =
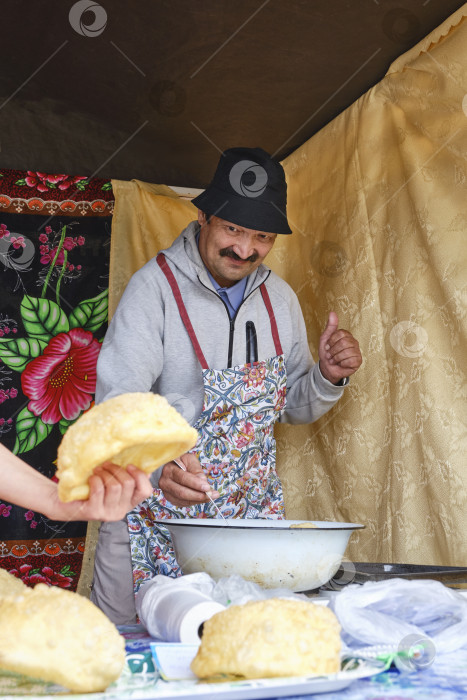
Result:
pixel 247 524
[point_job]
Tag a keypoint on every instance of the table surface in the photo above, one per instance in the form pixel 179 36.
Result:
pixel 445 679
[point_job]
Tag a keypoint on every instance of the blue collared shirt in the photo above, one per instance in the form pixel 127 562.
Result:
pixel 233 296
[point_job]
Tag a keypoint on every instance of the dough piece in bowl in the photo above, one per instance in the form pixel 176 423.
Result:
pixel 268 638
pixel 139 428
pixel 10 585
pixel 60 637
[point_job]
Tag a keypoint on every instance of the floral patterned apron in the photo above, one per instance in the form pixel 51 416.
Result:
pixel 236 448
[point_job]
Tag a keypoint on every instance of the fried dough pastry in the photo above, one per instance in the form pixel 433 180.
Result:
pixel 61 637
pixel 139 428
pixel 10 585
pixel 268 638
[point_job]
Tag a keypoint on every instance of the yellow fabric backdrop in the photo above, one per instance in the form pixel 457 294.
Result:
pixel 378 205
pixel 146 219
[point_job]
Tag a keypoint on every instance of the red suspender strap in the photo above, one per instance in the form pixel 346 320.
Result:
pixel 272 318
pixel 181 308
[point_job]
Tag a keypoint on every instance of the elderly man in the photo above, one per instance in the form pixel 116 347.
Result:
pixel 210 327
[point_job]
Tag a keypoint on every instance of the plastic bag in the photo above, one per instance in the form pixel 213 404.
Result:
pixel 235 590
pixel 395 611
pixel 173 609
pixel 231 590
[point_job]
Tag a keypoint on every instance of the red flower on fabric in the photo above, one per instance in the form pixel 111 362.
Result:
pixel 280 399
pixel 43 181
pixel 138 575
pixel 146 514
pixel 62 381
pixel 254 376
pixel 18 242
pixel 4 231
pixel 29 576
pixel 48 256
pixel 244 435
pixel 48 253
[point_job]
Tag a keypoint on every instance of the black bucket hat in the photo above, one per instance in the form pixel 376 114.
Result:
pixel 248 189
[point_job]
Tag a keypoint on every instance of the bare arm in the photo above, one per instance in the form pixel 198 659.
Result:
pixel 113 490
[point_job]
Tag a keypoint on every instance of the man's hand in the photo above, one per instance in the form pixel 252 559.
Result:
pixel 339 352
pixel 185 488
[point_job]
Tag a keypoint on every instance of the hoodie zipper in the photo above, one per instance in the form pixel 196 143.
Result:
pixel 232 320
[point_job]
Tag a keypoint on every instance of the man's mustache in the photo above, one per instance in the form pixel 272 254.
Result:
pixel 229 253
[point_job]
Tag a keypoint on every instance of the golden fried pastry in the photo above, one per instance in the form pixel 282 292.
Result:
pixel 61 637
pixel 139 428
pixel 9 584
pixel 267 638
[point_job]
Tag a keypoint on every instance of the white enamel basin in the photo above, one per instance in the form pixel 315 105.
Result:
pixel 268 552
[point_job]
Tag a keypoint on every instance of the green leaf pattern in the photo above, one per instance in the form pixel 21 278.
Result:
pixel 16 353
pixel 64 424
pixel 42 318
pixel 30 431
pixel 91 313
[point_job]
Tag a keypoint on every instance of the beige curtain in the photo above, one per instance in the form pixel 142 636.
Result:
pixel 146 219
pixel 377 202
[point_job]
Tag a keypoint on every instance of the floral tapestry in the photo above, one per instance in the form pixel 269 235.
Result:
pixel 54 269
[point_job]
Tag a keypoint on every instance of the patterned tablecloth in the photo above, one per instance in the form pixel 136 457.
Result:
pixel 446 679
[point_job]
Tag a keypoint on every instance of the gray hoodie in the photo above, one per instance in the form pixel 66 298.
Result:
pixel 146 346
